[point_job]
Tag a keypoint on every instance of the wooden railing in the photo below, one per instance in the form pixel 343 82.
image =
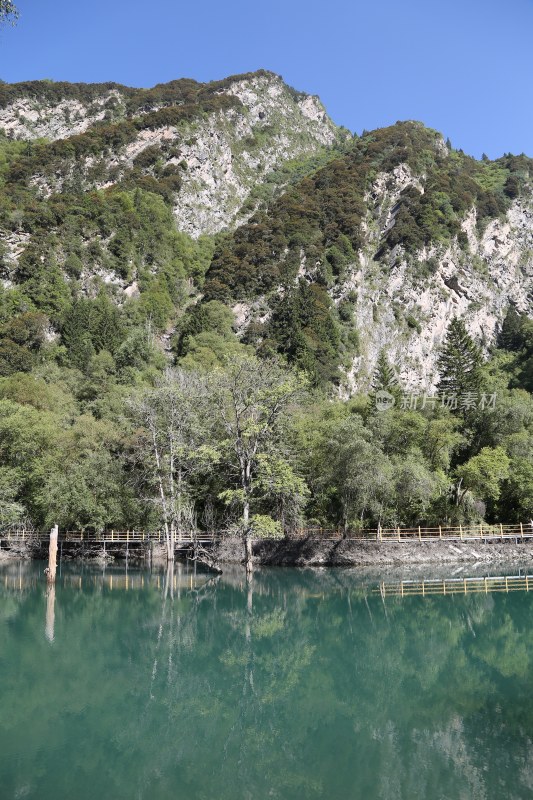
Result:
pixel 425 534
pixel 27 535
pixel 449 586
pixel 477 532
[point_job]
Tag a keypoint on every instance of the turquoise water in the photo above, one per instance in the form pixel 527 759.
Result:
pixel 306 685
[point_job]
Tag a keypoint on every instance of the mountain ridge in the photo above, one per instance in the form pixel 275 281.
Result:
pixel 327 248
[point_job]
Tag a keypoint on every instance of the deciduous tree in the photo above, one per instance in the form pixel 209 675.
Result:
pixel 252 399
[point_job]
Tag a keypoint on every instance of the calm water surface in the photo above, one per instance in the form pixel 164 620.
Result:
pixel 306 685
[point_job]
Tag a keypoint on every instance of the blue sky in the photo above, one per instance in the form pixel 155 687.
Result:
pixel 464 68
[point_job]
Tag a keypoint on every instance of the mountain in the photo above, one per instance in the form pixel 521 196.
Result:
pixel 210 144
pixel 380 249
pixel 199 225
pixel 236 214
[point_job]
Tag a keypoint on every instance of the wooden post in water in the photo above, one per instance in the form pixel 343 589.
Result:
pixel 50 612
pixel 52 556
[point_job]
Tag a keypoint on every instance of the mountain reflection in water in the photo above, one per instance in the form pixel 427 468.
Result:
pixel 300 684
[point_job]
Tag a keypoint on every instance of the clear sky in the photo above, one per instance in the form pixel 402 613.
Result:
pixel 463 67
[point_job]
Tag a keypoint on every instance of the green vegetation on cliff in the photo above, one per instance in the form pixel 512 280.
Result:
pixel 100 294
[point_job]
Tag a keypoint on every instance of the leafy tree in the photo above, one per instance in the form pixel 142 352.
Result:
pixel 441 440
pixel 172 445
pixel 516 498
pixel 11 482
pixel 483 474
pixel 417 487
pixel 282 489
pixel 358 471
pixel 252 398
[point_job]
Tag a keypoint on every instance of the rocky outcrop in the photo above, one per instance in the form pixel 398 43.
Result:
pixel 32 118
pixel 405 304
pixel 220 155
pixel 235 151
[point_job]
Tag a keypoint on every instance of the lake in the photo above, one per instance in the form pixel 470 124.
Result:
pixel 306 684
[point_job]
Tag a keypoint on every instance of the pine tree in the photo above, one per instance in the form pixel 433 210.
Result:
pixel 511 335
pixel 386 391
pixel 385 378
pixel 459 362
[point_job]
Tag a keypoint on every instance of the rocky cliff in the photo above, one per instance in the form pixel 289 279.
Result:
pixel 327 248
pixel 407 308
pixel 220 150
pixel 396 237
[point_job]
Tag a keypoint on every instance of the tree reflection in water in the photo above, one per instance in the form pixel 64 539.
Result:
pixel 296 684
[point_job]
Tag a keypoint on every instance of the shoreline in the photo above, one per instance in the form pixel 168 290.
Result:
pixel 314 552
pixel 357 553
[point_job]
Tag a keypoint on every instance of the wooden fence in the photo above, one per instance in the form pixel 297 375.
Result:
pixel 451 586
pixel 424 534
pixel 478 532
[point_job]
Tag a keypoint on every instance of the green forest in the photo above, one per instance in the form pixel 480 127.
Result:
pixel 147 409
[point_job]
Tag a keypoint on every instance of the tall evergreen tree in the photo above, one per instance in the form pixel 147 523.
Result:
pixel 384 377
pixel 459 362
pixel 511 334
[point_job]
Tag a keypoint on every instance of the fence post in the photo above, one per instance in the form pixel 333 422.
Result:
pixel 52 555
pixel 419 533
pixel 398 533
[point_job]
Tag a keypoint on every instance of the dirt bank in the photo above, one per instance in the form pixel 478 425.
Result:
pixel 355 553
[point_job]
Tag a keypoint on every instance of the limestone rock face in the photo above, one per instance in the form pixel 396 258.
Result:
pixel 406 305
pixel 30 118
pixel 222 155
pixel 231 157
pixel 234 151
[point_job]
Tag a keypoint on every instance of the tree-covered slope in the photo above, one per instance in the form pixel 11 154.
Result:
pixel 203 146
pixel 110 210
pixel 381 247
pixel 230 229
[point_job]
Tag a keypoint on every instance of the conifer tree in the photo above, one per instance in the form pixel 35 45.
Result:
pixel 459 362
pixel 385 378
pixel 511 335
